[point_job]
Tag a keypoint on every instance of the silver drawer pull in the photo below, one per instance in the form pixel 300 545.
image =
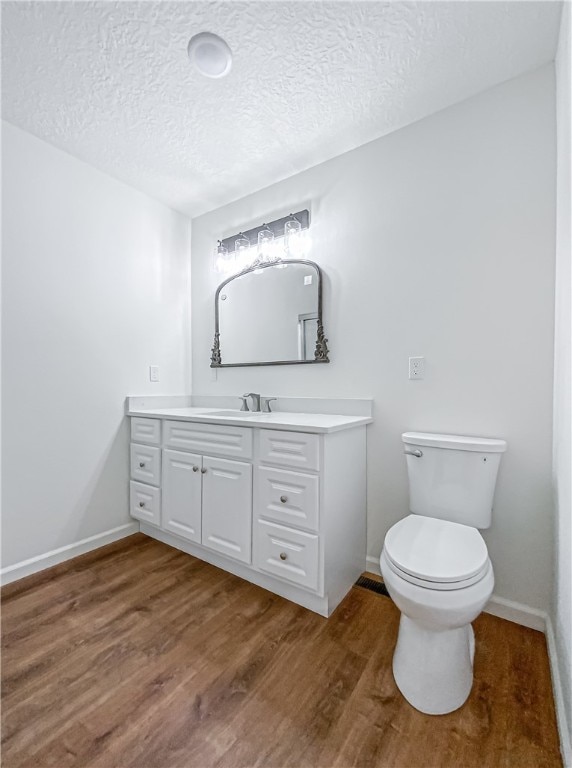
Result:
pixel 418 454
pixel 283 556
pixel 283 499
pixel 195 468
pixel 141 464
pixel 141 503
pixel 203 470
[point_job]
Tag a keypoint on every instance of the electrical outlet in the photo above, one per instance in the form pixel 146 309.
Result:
pixel 416 367
pixel 153 373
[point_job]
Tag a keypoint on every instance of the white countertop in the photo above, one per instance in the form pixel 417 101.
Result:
pixel 294 422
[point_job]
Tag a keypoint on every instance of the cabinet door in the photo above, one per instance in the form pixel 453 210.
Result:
pixel 227 507
pixel 182 494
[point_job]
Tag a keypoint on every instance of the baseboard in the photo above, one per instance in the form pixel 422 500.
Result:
pixel 517 612
pixel 563 732
pixel 497 606
pixel 41 562
pixel 372 565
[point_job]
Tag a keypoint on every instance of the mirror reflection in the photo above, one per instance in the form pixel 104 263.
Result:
pixel 270 314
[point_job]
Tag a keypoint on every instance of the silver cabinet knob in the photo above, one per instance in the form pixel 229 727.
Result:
pixel 195 468
pixel 283 556
pixel 283 499
pixel 141 464
pixel 141 503
pixel 203 470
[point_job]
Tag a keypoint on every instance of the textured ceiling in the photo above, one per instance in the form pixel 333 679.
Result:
pixel 111 82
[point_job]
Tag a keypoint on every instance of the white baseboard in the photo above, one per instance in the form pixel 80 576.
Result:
pixel 517 612
pixel 372 565
pixel 563 732
pixel 41 562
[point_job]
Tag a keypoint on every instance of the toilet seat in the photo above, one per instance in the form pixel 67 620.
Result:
pixel 436 554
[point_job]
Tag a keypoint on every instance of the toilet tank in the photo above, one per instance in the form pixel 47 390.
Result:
pixel 454 477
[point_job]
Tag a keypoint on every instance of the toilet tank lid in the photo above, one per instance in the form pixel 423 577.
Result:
pixel 455 442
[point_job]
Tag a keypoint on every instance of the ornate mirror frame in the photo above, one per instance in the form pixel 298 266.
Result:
pixel 321 352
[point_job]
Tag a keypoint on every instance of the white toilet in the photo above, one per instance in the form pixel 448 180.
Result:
pixel 436 566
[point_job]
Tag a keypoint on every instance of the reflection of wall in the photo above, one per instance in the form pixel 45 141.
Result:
pixel 435 240
pixel 95 288
pixel 259 317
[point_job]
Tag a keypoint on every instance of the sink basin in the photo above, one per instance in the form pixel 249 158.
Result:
pixel 236 414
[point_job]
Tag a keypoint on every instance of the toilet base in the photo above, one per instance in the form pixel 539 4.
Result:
pixel 434 670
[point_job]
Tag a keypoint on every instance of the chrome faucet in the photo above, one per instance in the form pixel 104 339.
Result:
pixel 255 401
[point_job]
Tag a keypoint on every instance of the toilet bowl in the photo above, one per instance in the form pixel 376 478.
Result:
pixel 436 567
pixel 433 659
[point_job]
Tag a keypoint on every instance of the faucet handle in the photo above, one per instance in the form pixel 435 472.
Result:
pixel 266 404
pixel 244 406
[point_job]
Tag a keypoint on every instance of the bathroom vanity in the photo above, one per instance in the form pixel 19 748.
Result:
pixel 278 499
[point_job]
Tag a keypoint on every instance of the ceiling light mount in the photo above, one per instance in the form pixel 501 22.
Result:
pixel 210 54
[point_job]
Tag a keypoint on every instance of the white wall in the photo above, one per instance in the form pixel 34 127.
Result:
pixel 95 288
pixel 561 606
pixel 436 240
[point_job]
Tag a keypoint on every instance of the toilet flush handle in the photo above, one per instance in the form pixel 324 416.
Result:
pixel 417 453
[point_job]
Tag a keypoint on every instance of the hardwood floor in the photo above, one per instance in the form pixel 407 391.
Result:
pixel 140 655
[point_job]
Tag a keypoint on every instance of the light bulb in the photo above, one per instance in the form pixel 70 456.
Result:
pixel 292 232
pixel 242 251
pixel 265 243
pixel 223 261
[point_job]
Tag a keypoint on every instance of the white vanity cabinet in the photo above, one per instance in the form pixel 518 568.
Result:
pixel 282 508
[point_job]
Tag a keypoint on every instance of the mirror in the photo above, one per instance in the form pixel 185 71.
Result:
pixel 270 314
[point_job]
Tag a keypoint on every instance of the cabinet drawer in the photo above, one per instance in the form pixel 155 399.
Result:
pixel 290 449
pixel 146 464
pixel 292 555
pixel 145 502
pixel 145 430
pixel 209 438
pixel 288 497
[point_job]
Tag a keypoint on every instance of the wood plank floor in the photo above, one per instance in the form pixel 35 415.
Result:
pixel 140 655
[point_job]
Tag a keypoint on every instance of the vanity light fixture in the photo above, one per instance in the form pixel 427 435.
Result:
pixel 266 244
pixel 210 54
